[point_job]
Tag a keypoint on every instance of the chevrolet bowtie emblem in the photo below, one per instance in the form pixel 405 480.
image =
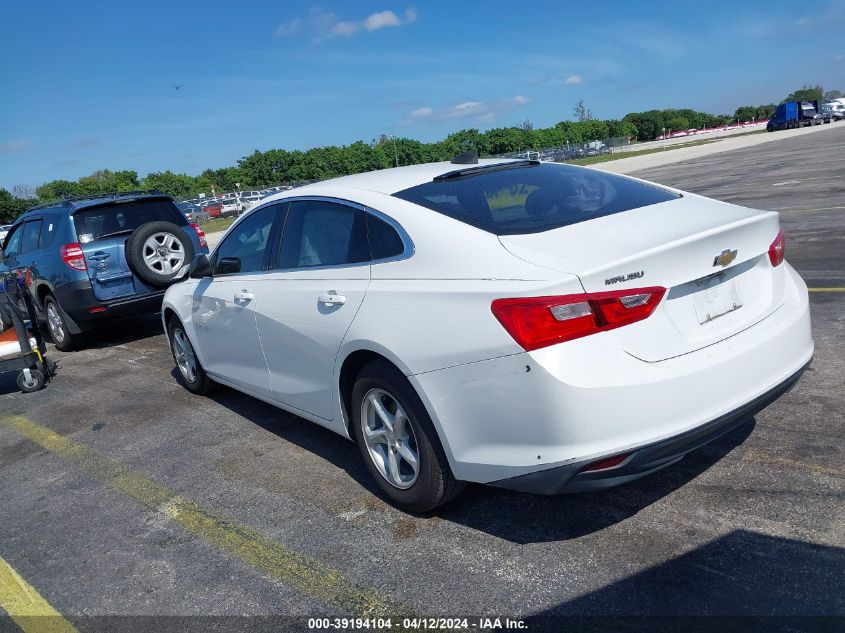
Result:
pixel 724 258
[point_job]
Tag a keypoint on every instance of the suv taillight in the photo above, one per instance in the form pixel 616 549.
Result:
pixel 777 248
pixel 73 256
pixel 200 233
pixel 536 322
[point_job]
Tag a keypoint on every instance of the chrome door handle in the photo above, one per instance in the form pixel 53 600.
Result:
pixel 99 256
pixel 332 299
pixel 244 296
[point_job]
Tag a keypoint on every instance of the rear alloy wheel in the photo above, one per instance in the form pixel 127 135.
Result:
pixel 390 440
pixel 157 250
pixel 398 441
pixel 191 374
pixel 56 325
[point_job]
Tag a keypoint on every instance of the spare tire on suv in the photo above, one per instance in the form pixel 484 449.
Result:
pixel 157 250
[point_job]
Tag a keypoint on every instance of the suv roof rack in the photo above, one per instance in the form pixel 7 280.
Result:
pixel 65 201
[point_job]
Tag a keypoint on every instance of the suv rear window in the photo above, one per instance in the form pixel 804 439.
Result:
pixel 533 198
pixel 122 218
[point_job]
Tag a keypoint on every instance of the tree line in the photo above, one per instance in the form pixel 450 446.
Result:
pixel 278 166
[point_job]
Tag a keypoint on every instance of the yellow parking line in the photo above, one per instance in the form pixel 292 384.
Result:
pixel 826 289
pixel 31 612
pixel 300 572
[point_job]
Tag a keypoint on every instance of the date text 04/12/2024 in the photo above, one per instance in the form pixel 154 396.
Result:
pixel 418 623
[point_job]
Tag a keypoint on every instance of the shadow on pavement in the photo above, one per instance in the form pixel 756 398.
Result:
pixel 513 516
pixel 749 581
pixel 523 518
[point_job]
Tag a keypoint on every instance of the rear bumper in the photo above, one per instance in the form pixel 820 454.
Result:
pixel 568 405
pixel 77 300
pixel 645 460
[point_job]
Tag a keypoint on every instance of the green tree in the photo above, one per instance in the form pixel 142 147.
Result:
pixel 765 111
pixel 176 185
pixel 806 93
pixel 678 123
pixel 745 113
pixel 11 207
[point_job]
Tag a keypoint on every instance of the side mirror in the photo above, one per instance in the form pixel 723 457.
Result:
pixel 200 267
pixel 229 265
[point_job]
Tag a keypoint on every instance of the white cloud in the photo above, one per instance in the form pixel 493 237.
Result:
pixel 421 112
pixel 839 57
pixel 345 28
pixel 289 28
pixel 572 80
pixel 13 147
pixel 477 111
pixel 803 21
pixel 380 20
pixel 322 24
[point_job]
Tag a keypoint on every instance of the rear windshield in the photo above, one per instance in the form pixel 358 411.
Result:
pixel 534 198
pixel 123 218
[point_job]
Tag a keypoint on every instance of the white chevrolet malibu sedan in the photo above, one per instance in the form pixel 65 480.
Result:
pixel 540 327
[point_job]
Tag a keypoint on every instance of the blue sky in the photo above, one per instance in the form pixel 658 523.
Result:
pixel 89 85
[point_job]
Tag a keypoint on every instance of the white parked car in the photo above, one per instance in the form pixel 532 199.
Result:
pixel 4 231
pixel 539 327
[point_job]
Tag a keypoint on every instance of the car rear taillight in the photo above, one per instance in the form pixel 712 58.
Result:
pixel 536 322
pixel 73 256
pixel 776 249
pixel 200 233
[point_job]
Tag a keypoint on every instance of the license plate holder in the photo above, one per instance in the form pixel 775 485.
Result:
pixel 716 298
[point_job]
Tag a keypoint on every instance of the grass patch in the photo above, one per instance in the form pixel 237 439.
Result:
pixel 217 224
pixel 603 158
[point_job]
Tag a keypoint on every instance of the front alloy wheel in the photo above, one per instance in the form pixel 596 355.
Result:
pixel 184 356
pixel 191 374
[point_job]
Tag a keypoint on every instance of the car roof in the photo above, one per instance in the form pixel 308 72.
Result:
pixel 390 181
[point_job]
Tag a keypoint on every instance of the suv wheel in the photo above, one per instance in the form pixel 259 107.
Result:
pixel 63 339
pixel 398 441
pixel 157 250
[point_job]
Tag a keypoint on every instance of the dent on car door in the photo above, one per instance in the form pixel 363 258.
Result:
pixel 310 300
pixel 224 305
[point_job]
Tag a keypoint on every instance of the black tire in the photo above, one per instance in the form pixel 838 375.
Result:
pixel 175 246
pixel 35 383
pixel 434 484
pixel 57 326
pixel 51 368
pixel 199 383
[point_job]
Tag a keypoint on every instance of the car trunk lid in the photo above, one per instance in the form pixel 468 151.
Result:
pixel 712 257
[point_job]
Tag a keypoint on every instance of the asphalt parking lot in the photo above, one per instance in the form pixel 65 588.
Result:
pixel 124 495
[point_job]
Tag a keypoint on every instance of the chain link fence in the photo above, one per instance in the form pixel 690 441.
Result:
pixel 571 151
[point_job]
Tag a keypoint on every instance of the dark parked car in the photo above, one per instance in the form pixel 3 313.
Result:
pixel 90 259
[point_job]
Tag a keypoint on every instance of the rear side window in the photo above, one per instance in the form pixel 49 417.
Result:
pixel 533 198
pixel 321 233
pixel 122 218
pixel 48 230
pixel 384 240
pixel 31 236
